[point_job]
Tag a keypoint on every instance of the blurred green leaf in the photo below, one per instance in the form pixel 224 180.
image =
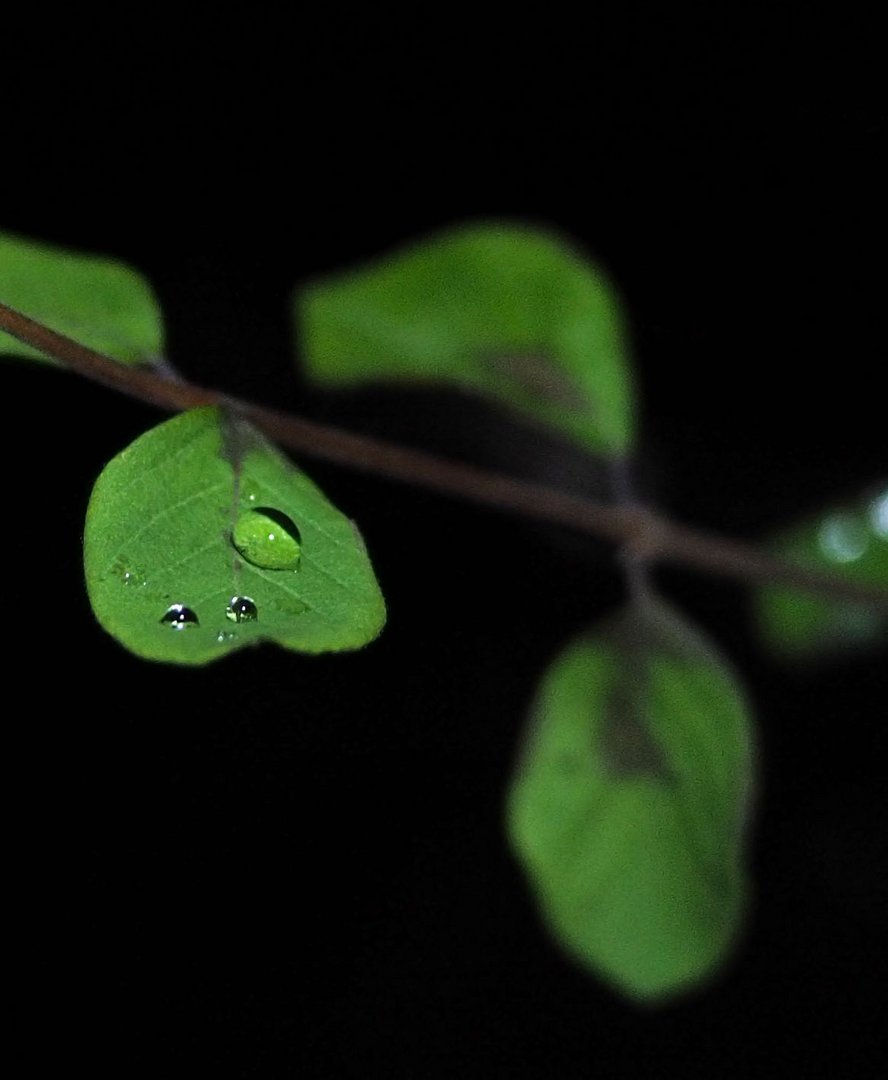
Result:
pixel 509 311
pixel 202 538
pixel 850 541
pixel 629 805
pixel 96 301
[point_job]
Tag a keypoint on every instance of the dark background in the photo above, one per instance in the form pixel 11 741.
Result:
pixel 288 866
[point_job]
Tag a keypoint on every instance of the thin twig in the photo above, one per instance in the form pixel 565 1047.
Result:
pixel 635 527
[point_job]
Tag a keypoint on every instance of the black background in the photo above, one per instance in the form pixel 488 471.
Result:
pixel 295 866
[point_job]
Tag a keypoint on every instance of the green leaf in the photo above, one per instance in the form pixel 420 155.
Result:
pixel 850 541
pixel 629 805
pixel 201 538
pixel 508 311
pixel 96 301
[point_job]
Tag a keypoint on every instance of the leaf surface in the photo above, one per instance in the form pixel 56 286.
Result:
pixel 96 301
pixel 511 312
pixel 629 805
pixel 851 541
pixel 201 538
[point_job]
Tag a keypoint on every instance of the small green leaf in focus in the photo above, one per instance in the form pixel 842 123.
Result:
pixel 850 541
pixel 165 576
pixel 508 311
pixel 98 302
pixel 629 805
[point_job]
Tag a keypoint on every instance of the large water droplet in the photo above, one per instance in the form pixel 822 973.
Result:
pixel 241 609
pixel 842 538
pixel 180 617
pixel 267 538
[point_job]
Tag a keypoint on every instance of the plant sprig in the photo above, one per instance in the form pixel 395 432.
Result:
pixel 637 528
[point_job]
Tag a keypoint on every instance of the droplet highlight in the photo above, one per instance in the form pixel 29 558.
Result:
pixel 241 609
pixel 180 617
pixel 267 538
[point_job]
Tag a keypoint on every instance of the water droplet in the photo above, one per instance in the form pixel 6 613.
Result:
pixel 180 617
pixel 268 539
pixel 224 636
pixel 842 538
pixel 878 511
pixel 241 609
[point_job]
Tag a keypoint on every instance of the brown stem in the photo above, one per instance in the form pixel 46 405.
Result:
pixel 635 527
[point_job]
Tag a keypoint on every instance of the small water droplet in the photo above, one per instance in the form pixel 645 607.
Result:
pixel 180 617
pixel 267 538
pixel 842 538
pixel 878 511
pixel 241 609
pixel 224 636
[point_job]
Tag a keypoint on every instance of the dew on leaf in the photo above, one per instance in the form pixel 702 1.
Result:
pixel 241 609
pixel 180 617
pixel 225 636
pixel 267 538
pixel 842 538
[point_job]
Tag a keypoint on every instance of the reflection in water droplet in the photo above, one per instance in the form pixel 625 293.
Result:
pixel 268 539
pixel 179 617
pixel 842 538
pixel 241 609
pixel 879 515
